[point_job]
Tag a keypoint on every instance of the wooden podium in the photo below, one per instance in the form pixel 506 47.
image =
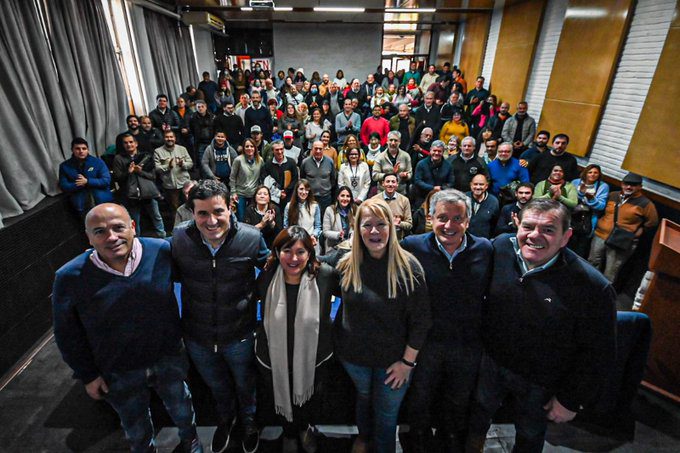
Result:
pixel 662 304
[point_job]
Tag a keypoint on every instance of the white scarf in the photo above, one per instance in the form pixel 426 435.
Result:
pixel 306 331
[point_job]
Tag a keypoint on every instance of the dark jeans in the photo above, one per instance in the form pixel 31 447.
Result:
pixel 494 384
pixel 305 415
pixel 151 208
pixel 129 395
pixel 446 376
pixel 230 374
pixel 377 406
pixel 324 202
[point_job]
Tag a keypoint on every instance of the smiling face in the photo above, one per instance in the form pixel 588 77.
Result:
pixel 557 173
pixel 293 259
pixel 449 223
pixel 592 176
pixel 390 184
pixel 262 196
pixel 540 236
pixel 212 219
pixel 344 198
pixel 248 149
pixel 478 185
pixel 353 156
pixel 436 153
pixel 375 232
pixel 302 193
pixel 111 232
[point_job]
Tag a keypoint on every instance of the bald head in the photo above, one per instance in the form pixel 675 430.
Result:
pixel 106 210
pixel 111 232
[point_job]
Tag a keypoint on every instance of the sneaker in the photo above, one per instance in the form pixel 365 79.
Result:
pixel 189 446
pixel 308 440
pixel 220 439
pixel 251 438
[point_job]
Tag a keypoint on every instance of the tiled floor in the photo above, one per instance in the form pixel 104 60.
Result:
pixel 44 410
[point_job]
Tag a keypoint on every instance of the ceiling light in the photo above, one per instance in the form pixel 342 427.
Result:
pixel 283 8
pixel 245 8
pixel 410 10
pixel 338 9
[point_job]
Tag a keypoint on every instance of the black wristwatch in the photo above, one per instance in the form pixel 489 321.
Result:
pixel 408 363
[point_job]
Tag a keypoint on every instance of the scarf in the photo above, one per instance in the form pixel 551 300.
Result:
pixel 306 331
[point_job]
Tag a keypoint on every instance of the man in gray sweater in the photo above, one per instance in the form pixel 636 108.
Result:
pixel 347 122
pixel 319 170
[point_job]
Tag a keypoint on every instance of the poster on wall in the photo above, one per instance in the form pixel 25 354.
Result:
pixel 246 62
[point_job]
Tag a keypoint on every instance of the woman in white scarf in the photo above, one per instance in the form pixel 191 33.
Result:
pixel 295 337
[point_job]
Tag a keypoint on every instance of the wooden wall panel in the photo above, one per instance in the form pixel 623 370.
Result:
pixel 515 49
pixel 585 63
pixel 653 151
pixel 474 40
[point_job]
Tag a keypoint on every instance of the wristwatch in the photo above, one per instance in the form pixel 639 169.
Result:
pixel 408 363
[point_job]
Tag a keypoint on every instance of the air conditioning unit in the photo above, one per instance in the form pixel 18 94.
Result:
pixel 261 4
pixel 203 19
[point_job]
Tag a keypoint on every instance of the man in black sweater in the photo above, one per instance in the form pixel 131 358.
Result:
pixel 549 329
pixel 508 220
pixel 541 166
pixel 231 124
pixel 457 267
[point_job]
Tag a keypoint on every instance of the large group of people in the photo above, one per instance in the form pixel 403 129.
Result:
pixel 457 239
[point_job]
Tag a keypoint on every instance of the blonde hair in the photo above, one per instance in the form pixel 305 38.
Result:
pixel 402 266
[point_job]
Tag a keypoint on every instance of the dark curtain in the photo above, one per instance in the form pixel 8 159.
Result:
pixel 89 74
pixel 172 54
pixel 35 132
pixel 53 87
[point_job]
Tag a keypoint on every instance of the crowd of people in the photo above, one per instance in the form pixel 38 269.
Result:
pixel 456 237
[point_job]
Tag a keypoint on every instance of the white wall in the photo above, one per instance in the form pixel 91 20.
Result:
pixel 356 49
pixel 491 42
pixel 639 58
pixel 205 52
pixel 544 56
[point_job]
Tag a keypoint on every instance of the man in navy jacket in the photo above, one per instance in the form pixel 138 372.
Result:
pixel 116 323
pixel 457 267
pixel 548 326
pixel 85 178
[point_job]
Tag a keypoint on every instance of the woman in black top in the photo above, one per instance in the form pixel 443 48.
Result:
pixel 264 215
pixel 383 322
pixel 294 340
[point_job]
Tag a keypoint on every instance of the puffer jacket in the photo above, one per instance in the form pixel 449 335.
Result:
pixel 217 291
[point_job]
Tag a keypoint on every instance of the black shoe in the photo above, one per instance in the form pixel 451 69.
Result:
pixel 189 446
pixel 251 438
pixel 220 439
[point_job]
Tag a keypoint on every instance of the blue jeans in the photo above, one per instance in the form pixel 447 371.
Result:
pixel 230 373
pixel 377 406
pixel 129 395
pixel 151 208
pixel 494 384
pixel 243 203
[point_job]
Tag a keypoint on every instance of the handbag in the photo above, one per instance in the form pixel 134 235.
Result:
pixel 619 238
pixel 581 219
pixel 140 188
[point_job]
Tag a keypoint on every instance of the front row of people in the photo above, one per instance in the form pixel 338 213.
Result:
pixel 459 319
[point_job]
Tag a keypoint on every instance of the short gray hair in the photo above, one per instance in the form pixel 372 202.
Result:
pixel 451 196
pixel 469 139
pixel 506 144
pixel 396 134
pixel 438 144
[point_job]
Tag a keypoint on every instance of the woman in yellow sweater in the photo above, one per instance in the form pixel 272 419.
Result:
pixel 456 126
